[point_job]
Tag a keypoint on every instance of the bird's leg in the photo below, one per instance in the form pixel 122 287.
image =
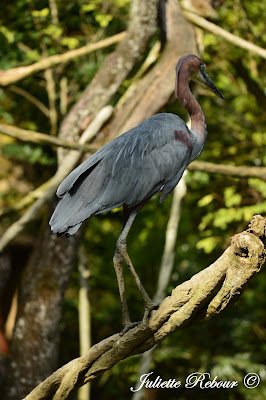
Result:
pixel 121 249
pixel 118 265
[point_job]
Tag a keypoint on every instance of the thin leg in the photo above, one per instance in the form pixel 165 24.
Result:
pixel 118 265
pixel 121 253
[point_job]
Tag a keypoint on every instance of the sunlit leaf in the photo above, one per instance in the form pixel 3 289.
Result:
pixel 41 13
pixel 7 33
pixel 103 19
pixel 204 201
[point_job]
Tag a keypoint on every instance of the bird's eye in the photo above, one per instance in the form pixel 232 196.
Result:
pixel 202 67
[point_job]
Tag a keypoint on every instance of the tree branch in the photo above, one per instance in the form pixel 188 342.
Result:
pixel 16 74
pixel 51 93
pixel 168 257
pixel 26 135
pixel 241 170
pixel 30 98
pixel 54 12
pixel 216 30
pixel 190 301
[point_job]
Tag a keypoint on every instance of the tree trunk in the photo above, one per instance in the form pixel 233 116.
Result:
pixel 34 350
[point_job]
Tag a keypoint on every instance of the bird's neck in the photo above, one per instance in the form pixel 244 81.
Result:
pixel 188 101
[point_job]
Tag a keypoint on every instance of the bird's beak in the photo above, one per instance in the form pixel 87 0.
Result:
pixel 204 80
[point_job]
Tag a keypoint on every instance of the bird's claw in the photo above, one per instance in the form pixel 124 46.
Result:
pixel 148 309
pixel 129 325
pixel 151 306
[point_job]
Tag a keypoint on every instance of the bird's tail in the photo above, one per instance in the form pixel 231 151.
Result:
pixel 68 215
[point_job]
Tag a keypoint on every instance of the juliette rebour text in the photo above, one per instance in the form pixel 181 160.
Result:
pixel 196 379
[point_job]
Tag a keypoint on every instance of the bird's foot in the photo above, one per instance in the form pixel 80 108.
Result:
pixel 129 325
pixel 148 309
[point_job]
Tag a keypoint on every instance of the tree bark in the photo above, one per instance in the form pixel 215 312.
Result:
pixel 34 349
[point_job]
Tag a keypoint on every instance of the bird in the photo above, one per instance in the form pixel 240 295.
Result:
pixel 142 162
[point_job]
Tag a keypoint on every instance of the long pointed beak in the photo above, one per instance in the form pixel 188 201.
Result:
pixel 208 82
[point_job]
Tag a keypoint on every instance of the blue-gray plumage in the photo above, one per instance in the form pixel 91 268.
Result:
pixel 144 161
pixel 129 170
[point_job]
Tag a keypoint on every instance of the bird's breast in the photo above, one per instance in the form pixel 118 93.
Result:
pixel 184 138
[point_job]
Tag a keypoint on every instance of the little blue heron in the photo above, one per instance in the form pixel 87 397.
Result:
pixel 148 159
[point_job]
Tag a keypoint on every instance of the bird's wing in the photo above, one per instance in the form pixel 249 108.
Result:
pixel 140 163
pixel 153 162
pixel 83 168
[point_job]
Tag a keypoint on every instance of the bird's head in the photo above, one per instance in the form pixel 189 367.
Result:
pixel 195 69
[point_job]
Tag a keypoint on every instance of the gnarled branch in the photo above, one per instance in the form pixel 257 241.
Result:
pixel 190 301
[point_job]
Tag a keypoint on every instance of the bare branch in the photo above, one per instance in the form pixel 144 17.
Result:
pixel 216 30
pixel 241 170
pixel 43 139
pixel 168 257
pixel 63 95
pixel 51 93
pixel 30 98
pixel 84 316
pixel 188 302
pixel 54 12
pixel 16 74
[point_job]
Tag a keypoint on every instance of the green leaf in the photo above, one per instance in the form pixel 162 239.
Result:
pixel 52 30
pixel 41 13
pixel 70 42
pixel 9 35
pixel 259 138
pixel 208 244
pixel 259 185
pixel 204 201
pixel 103 19
pixel 231 198
pixel 32 56
pixel 88 7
